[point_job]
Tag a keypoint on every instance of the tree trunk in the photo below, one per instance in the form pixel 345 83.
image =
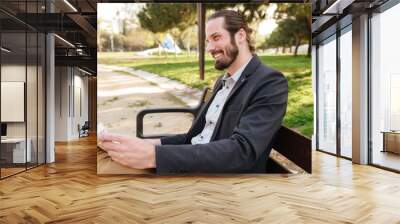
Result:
pixel 309 21
pixel 99 42
pixel 188 47
pixel 296 48
pixel 112 42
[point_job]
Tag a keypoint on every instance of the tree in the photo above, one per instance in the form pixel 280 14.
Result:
pixel 295 30
pixel 298 15
pixel 99 48
pixel 252 12
pixel 163 17
pixel 128 17
pixel 177 18
pixel 279 38
pixel 146 40
pixel 173 17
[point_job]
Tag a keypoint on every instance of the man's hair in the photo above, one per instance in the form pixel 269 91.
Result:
pixel 233 22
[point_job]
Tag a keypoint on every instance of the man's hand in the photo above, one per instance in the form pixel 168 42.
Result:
pixel 129 151
pixel 153 141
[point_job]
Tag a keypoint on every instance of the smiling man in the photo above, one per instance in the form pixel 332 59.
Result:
pixel 234 131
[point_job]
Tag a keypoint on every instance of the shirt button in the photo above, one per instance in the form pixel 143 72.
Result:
pixel 201 136
pixel 211 122
pixel 217 105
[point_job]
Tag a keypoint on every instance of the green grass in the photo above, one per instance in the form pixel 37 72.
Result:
pixel 299 114
pixel 185 69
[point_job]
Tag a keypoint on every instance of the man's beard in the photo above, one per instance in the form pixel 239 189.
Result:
pixel 232 52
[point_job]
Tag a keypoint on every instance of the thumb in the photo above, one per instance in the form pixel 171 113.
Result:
pixel 113 137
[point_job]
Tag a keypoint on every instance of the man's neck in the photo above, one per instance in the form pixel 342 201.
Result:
pixel 239 62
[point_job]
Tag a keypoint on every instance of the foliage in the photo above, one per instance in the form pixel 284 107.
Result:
pixel 133 43
pixel 163 17
pixel 289 33
pixel 179 19
pixel 294 26
pixel 174 18
pixel 294 11
pixel 110 41
pixel 251 11
pixel 159 18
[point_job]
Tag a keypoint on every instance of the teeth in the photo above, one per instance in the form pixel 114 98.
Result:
pixel 217 55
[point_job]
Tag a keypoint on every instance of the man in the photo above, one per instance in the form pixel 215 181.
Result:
pixel 234 131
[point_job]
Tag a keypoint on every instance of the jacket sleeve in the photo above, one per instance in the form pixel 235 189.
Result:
pixel 174 139
pixel 257 125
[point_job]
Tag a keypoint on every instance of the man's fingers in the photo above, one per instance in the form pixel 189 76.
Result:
pixel 114 155
pixel 111 146
pixel 113 137
pixel 117 157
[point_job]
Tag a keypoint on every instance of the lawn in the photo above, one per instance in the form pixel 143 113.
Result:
pixel 299 115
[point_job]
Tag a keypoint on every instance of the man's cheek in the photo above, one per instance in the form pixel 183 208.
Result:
pixel 225 51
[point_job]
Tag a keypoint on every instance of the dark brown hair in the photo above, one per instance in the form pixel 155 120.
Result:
pixel 233 22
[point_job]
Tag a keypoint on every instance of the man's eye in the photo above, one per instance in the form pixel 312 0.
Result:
pixel 216 38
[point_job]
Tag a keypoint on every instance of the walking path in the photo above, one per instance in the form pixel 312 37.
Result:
pixel 188 95
pixel 123 92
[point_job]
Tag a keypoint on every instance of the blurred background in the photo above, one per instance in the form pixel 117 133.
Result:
pixel 135 40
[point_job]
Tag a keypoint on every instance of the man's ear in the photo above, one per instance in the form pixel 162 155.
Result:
pixel 241 36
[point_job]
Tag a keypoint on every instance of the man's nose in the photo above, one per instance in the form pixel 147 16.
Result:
pixel 209 47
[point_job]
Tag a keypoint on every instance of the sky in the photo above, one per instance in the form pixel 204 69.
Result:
pixel 107 12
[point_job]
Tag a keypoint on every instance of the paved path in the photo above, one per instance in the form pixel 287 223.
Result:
pixel 188 95
pixel 122 92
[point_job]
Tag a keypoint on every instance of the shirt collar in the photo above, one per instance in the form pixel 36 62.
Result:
pixel 238 72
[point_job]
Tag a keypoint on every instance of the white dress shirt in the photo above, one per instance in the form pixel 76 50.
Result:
pixel 215 108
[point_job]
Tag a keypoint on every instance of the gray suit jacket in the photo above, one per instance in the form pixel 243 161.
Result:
pixel 243 135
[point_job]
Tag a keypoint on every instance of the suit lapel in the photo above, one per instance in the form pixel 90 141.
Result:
pixel 202 113
pixel 249 70
pixel 236 87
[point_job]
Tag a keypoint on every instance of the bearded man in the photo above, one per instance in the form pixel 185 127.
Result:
pixel 234 130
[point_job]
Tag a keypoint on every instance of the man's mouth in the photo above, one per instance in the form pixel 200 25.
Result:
pixel 218 55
